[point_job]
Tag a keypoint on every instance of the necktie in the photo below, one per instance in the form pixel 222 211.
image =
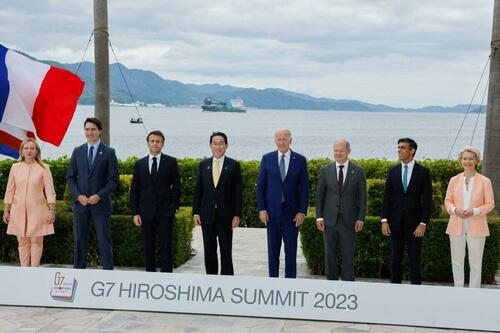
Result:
pixel 216 172
pixel 90 158
pixel 341 178
pixel 405 178
pixel 282 168
pixel 154 168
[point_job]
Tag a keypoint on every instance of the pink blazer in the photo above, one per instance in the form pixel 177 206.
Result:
pixel 29 206
pixel 481 197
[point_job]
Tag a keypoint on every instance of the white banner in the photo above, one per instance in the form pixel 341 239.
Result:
pixel 383 303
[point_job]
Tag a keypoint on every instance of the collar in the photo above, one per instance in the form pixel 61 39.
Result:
pixel 287 154
pixel 346 164
pixel 95 145
pixel 158 157
pixel 410 165
pixel 221 160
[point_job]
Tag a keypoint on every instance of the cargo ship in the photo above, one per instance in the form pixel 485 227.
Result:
pixel 210 104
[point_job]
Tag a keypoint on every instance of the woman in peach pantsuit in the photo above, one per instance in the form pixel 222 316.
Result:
pixel 29 212
pixel 468 199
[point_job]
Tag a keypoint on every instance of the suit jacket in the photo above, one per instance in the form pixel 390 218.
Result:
pixel 155 196
pixel 101 179
pixel 227 197
pixel 481 197
pixel 295 187
pixel 351 201
pixel 29 205
pixel 415 204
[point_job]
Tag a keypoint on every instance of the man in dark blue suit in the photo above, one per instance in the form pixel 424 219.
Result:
pixel 282 198
pixel 154 198
pixel 92 176
pixel 217 204
pixel 406 210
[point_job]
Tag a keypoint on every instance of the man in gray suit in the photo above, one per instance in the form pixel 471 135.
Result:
pixel 340 209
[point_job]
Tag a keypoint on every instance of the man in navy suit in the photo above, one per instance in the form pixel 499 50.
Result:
pixel 154 198
pixel 282 198
pixel 217 204
pixel 406 209
pixel 92 176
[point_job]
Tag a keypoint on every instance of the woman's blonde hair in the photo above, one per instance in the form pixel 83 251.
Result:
pixel 38 155
pixel 474 151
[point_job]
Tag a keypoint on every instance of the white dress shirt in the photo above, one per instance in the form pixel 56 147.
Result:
pixel 410 171
pixel 344 171
pixel 221 163
pixel 158 158
pixel 96 147
pixel 288 154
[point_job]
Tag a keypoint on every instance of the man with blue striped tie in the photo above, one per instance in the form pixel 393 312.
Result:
pixel 282 199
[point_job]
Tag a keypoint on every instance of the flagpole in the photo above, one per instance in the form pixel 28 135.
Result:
pixel 101 56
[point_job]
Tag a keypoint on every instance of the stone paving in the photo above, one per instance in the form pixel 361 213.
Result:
pixel 250 258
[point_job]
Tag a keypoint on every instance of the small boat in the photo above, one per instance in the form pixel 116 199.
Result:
pixel 212 105
pixel 136 120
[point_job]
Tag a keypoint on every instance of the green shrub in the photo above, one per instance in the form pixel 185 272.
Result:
pixel 127 242
pixel 372 251
pixel 375 188
pixel 441 172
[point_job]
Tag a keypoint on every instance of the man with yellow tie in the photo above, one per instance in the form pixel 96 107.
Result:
pixel 217 204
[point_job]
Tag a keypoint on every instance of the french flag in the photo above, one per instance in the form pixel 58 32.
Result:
pixel 35 98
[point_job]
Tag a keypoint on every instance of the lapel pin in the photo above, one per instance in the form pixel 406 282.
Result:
pixel 100 153
pixel 208 167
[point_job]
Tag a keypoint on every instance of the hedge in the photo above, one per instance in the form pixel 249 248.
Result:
pixel 376 170
pixel 372 251
pixel 127 242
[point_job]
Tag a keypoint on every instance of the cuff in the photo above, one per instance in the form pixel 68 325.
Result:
pixel 320 219
pixel 383 221
pixel 422 223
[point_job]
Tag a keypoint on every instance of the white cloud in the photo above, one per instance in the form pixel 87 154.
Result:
pixel 403 53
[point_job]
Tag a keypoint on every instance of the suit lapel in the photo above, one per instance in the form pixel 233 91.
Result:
pixel 209 172
pixel 414 175
pixel 98 157
pixel 335 176
pixel 348 174
pixel 399 177
pixel 223 170
pixel 459 199
pixel 291 165
pixel 477 189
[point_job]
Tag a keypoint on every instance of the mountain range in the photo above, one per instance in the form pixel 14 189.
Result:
pixel 149 87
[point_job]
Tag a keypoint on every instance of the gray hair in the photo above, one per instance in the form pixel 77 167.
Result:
pixel 344 141
pixel 474 151
pixel 286 130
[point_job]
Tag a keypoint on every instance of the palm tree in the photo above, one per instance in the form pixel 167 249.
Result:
pixel 491 165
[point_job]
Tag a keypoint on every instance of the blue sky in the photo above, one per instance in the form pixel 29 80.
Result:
pixel 396 52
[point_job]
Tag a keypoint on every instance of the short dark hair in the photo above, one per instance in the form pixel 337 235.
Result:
pixel 158 133
pixel 95 121
pixel 411 143
pixel 223 135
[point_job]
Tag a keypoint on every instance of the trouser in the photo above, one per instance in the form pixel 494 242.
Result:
pixel 160 227
pixel 81 226
pixel 222 231
pixel 344 236
pixel 30 250
pixel 400 235
pixel 284 229
pixel 475 247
